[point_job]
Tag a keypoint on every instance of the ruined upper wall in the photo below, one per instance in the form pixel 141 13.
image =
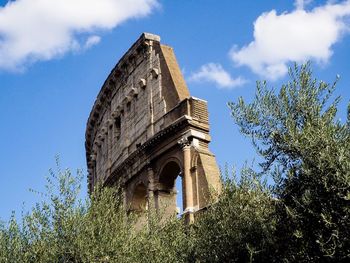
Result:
pixel 145 85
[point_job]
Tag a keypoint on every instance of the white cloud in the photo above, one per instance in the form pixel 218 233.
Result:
pixel 92 41
pixel 32 30
pixel 300 4
pixel 296 36
pixel 215 73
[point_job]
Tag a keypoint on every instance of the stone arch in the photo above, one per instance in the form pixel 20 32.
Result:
pixel 164 133
pixel 169 170
pixel 194 174
pixel 167 192
pixel 194 160
pixel 139 201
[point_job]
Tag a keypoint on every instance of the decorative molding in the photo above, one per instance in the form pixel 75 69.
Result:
pixel 183 142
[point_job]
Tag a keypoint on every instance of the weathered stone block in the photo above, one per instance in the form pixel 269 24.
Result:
pixel 145 131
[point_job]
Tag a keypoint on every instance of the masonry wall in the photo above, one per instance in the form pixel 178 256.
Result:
pixel 145 130
pixel 142 88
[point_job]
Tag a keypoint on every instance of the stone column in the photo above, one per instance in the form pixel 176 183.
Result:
pixel 150 190
pixel 187 177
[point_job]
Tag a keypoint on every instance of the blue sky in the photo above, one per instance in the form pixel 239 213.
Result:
pixel 55 56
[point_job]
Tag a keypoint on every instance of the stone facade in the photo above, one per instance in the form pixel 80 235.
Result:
pixel 145 130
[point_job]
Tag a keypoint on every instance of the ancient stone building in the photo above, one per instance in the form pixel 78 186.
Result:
pixel 145 131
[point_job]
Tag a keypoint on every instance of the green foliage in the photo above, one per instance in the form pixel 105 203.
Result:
pixel 240 226
pixel 62 228
pixel 109 235
pixel 304 217
pixel 296 132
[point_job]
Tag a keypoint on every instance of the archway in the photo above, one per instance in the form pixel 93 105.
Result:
pixel 139 199
pixel 170 186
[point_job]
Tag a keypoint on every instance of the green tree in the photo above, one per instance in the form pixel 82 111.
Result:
pixel 240 226
pixel 307 150
pixel 64 229
pixel 303 218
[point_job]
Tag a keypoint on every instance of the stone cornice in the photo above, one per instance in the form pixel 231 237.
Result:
pixel 149 144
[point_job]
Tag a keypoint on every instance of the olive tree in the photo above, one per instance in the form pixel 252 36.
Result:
pixel 307 149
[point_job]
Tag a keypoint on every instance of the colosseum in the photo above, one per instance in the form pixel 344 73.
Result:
pixel 146 133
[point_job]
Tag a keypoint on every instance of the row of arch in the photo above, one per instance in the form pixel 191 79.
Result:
pixel 169 191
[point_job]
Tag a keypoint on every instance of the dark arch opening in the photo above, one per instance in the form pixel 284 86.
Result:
pixel 139 199
pixel 170 197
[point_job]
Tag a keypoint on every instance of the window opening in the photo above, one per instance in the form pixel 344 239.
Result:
pixel 117 127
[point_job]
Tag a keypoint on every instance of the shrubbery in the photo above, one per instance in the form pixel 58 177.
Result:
pixel 302 217
pixel 240 226
pixel 66 229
